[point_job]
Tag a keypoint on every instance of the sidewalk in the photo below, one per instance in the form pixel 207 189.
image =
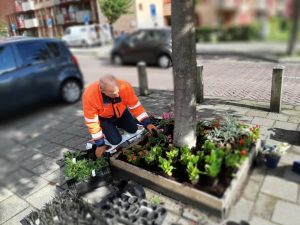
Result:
pixel 267 51
pixel 31 145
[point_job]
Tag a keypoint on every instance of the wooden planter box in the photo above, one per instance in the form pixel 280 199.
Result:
pixel 188 195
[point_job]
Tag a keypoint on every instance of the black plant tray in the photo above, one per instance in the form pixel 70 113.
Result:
pixel 123 208
pixel 100 179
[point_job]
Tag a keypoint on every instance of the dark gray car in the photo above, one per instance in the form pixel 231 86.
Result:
pixel 154 46
pixel 36 69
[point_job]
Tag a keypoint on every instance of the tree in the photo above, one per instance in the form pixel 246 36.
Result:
pixel 184 71
pixel 113 9
pixel 295 25
pixel 3 29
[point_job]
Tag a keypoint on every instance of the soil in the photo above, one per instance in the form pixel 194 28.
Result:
pixel 214 186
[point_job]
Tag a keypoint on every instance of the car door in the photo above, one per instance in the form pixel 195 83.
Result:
pixel 38 69
pixel 133 47
pixel 9 96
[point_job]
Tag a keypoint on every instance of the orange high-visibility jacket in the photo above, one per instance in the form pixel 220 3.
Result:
pixel 93 106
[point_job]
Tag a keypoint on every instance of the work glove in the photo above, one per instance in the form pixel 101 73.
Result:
pixel 151 127
pixel 100 151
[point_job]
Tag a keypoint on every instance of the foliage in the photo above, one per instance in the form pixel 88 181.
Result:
pixel 172 154
pixel 113 9
pixel 193 172
pixel 235 158
pixel 157 138
pixel 81 169
pixel 166 165
pixel 276 150
pixel 152 155
pixel 3 29
pixel 213 161
pixel 135 154
pixel 155 200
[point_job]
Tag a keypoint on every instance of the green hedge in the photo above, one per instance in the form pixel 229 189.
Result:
pixel 244 33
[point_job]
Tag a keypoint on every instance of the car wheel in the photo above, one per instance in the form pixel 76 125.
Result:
pixel 164 61
pixel 117 59
pixel 84 44
pixel 70 91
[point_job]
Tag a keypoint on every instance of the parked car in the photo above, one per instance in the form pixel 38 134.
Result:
pixel 37 69
pixel 154 46
pixel 87 35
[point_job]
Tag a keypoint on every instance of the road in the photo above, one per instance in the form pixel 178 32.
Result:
pixel 224 76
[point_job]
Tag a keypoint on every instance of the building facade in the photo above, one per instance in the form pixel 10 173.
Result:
pixel 49 18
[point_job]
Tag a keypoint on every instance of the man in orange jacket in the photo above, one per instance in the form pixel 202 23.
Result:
pixel 110 103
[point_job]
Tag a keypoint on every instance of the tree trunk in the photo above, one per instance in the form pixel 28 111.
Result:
pixel 184 71
pixel 294 31
pixel 112 31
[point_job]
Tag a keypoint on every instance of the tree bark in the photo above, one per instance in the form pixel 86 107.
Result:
pixel 184 71
pixel 112 32
pixel 294 31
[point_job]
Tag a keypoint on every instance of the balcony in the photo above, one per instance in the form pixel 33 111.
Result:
pixel 30 23
pixel 17 7
pixel 46 4
pixel 20 23
pixel 77 17
pixel 27 6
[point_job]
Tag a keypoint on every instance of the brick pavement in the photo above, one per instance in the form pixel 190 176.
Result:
pixel 30 146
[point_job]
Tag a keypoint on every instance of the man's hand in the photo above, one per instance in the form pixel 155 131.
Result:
pixel 150 127
pixel 100 151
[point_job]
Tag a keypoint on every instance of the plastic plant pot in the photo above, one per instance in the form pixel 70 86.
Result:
pixel 152 215
pixel 272 161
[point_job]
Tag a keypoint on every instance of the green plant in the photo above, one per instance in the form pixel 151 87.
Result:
pixel 82 169
pixel 233 159
pixel 155 200
pixel 213 161
pixel 172 154
pixel 166 165
pixel 275 151
pixel 152 155
pixel 193 172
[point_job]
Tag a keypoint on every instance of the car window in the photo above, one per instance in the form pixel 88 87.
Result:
pixel 154 36
pixel 33 53
pixel 53 48
pixel 67 31
pixel 7 60
pixel 139 36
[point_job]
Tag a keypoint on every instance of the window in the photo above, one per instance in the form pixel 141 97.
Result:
pixel 7 60
pixel 33 53
pixel 137 37
pixel 53 48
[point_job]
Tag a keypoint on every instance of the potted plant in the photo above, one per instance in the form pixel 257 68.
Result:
pixel 272 154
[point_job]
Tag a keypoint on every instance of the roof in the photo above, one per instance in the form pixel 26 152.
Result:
pixel 22 39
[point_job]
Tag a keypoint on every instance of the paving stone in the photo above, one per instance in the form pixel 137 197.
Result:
pixel 258 175
pixel 241 210
pixel 290 112
pixel 257 113
pixel 288 159
pixel 251 190
pixel 38 143
pixel 286 125
pixel 246 119
pixel 4 193
pixel 171 218
pixel 17 218
pixel 183 221
pixel 62 138
pixel 286 213
pixel 6 168
pixel 73 142
pixel 259 221
pixel 239 110
pixel 11 207
pixel 42 196
pixel 277 116
pixel 36 160
pixel 193 214
pixel 170 204
pixel 54 177
pixel 291 176
pixel 19 175
pixel 264 206
pixel 45 168
pixel 263 121
pixel 27 187
pixel 294 119
pixel 277 187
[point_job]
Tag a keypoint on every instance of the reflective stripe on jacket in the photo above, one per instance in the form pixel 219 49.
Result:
pixel 94 106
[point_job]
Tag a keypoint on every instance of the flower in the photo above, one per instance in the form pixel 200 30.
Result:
pixel 244 152
pixel 134 158
pixel 166 115
pixel 242 141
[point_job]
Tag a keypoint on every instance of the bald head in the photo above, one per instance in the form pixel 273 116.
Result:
pixel 109 86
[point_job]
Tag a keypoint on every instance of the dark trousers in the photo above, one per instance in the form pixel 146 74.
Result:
pixel 109 126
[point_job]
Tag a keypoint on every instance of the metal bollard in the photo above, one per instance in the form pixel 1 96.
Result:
pixel 276 90
pixel 199 87
pixel 143 82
